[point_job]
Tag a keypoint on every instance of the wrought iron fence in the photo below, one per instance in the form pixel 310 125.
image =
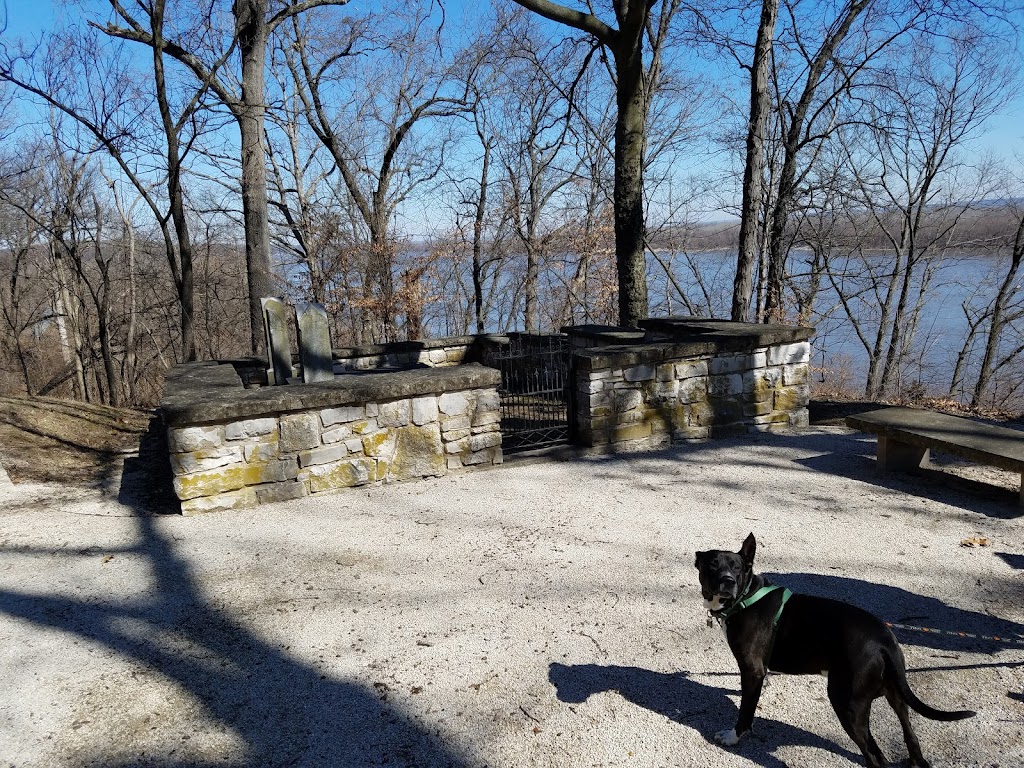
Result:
pixel 535 390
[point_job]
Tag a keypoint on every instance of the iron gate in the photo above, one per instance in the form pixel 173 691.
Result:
pixel 536 385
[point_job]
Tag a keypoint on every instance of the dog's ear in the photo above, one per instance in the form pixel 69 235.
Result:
pixel 696 562
pixel 749 549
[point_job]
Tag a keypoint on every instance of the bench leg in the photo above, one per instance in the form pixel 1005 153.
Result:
pixel 894 455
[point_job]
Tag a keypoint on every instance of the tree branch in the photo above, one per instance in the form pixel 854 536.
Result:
pixel 585 22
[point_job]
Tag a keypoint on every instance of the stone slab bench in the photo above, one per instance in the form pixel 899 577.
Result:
pixel 905 435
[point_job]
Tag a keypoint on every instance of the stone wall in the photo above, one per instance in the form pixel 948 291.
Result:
pixel 428 353
pixel 421 409
pixel 654 394
pixel 235 448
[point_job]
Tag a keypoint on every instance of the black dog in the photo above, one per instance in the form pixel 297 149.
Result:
pixel 769 628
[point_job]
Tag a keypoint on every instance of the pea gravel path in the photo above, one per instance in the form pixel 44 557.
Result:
pixel 540 614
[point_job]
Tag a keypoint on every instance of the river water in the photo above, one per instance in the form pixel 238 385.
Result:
pixel 839 356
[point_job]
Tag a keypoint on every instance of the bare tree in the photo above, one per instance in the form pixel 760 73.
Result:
pixel 535 151
pixel 99 94
pixel 24 301
pixel 636 47
pixel 997 325
pixel 911 184
pixel 255 21
pixel 370 133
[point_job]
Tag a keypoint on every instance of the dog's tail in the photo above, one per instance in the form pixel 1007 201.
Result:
pixel 897 670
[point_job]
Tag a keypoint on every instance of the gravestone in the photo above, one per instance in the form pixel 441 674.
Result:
pixel 314 342
pixel 279 354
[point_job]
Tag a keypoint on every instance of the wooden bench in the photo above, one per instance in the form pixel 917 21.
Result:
pixel 905 435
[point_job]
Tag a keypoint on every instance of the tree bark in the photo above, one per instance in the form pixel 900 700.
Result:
pixel 792 144
pixel 184 278
pixel 478 228
pixel 630 230
pixel 251 32
pixel 753 182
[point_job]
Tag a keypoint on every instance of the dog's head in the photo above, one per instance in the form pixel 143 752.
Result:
pixel 724 575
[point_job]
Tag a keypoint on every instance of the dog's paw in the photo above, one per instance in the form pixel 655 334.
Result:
pixel 727 738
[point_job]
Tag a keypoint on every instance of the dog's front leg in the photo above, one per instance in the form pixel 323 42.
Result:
pixel 751 683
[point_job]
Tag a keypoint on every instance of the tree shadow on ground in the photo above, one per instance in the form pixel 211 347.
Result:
pixel 287 713
pixel 707 709
pixel 840 454
pixel 1014 561
pixel 928 482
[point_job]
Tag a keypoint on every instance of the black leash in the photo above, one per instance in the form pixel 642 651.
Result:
pixel 1015 639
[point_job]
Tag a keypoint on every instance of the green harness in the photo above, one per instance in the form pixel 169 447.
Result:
pixel 748 601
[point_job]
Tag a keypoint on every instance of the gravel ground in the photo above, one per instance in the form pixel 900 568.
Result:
pixel 540 614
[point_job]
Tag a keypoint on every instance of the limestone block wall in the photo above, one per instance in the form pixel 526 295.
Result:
pixel 280 443
pixel 662 393
pixel 431 353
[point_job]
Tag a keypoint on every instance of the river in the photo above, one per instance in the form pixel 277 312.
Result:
pixel 839 357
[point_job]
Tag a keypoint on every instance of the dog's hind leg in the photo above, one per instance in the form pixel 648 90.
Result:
pixel 854 712
pixel 903 713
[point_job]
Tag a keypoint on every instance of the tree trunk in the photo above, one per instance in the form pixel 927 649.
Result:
pixel 792 144
pixel 478 228
pixel 630 232
pixel 185 281
pixel 1005 294
pixel 753 182
pixel 251 28
pixel 131 332
pixel 101 297
pixel 67 314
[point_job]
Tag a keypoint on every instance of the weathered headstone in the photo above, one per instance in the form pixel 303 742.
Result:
pixel 314 342
pixel 279 354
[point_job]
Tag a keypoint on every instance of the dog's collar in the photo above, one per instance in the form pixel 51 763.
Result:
pixel 746 601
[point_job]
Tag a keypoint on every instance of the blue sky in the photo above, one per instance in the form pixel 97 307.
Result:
pixel 1004 135
pixel 26 17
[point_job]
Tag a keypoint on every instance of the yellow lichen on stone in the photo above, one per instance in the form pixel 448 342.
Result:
pixel 632 432
pixel 344 474
pixel 699 414
pixel 373 443
pixel 216 481
pixel 241 499
pixel 419 452
pixel 790 398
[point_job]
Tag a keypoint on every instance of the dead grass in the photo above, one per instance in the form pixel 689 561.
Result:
pixel 45 439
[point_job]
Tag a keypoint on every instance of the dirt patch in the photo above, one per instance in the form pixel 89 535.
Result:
pixel 45 439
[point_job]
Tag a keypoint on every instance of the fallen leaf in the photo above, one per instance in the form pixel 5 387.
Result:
pixel 107 558
pixel 975 541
